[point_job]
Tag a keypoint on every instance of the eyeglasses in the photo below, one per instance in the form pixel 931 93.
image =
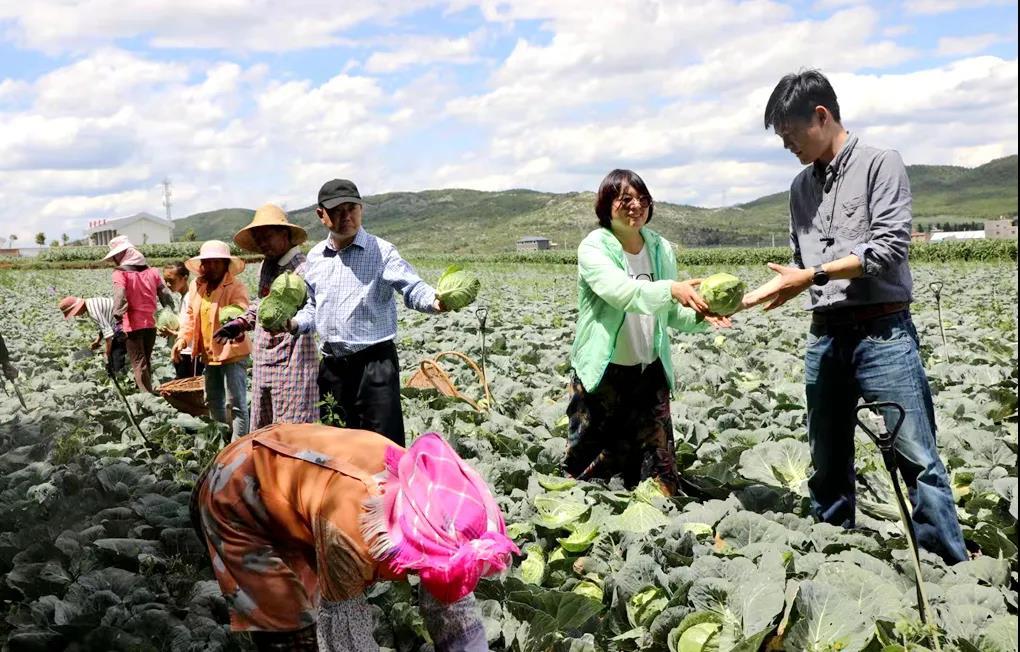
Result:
pixel 627 200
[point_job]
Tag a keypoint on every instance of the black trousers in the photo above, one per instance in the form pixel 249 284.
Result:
pixel 365 391
pixel 187 367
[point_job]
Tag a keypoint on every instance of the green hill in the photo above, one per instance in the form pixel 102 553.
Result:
pixel 473 221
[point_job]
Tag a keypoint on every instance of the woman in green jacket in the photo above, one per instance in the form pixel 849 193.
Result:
pixel 628 297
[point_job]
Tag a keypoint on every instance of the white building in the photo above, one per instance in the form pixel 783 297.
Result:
pixel 943 236
pixel 142 228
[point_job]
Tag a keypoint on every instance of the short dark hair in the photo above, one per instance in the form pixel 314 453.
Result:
pixel 609 190
pixel 177 268
pixel 796 97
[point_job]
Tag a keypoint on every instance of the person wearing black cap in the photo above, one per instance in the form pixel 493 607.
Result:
pixel 351 278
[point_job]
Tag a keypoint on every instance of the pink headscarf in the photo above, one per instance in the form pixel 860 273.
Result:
pixel 133 257
pixel 437 516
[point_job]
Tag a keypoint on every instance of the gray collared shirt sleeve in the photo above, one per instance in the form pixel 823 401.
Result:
pixel 797 260
pixel 890 208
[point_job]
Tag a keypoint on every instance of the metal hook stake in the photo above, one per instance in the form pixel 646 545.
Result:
pixel 482 314
pixel 886 441
pixel 936 288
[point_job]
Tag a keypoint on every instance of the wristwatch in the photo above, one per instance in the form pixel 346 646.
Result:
pixel 821 277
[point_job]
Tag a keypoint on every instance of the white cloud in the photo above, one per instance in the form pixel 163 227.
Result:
pixel 673 89
pixel 225 134
pixel 237 25
pixel 958 46
pixel 929 7
pixel 822 5
pixel 423 51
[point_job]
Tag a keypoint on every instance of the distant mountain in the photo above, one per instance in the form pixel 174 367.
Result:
pixel 473 221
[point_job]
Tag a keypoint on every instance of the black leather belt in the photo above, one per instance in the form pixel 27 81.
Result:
pixel 857 314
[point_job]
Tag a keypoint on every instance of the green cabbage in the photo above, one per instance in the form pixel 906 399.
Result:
pixel 532 569
pixel 166 319
pixel 286 295
pixel 274 313
pixel 722 292
pixel 589 589
pixel 457 289
pixel 290 288
pixel 229 313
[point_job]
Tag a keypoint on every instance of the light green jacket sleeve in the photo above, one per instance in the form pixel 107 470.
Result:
pixel 684 319
pixel 616 288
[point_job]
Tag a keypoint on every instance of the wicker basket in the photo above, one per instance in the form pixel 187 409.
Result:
pixel 430 375
pixel 186 394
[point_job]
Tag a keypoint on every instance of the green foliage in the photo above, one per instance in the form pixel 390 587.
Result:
pixel 286 295
pixel 96 550
pixel 290 288
pixel 722 292
pixel 274 313
pixel 474 222
pixel 229 313
pixel 167 319
pixel 173 250
pixel 457 289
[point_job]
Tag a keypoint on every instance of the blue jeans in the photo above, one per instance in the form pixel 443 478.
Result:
pixel 225 382
pixel 876 360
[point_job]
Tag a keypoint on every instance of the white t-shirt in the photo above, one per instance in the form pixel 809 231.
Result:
pixel 635 342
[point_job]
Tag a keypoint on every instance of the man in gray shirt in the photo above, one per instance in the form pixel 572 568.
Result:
pixel 850 215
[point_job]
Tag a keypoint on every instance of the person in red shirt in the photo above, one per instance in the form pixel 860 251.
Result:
pixel 137 288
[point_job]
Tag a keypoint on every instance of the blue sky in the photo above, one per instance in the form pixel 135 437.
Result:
pixel 246 103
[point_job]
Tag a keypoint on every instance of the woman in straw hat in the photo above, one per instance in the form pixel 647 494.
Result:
pixel 136 290
pixel 216 287
pixel 299 519
pixel 285 367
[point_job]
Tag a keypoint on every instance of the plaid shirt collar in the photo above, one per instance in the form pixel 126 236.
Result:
pixel 360 241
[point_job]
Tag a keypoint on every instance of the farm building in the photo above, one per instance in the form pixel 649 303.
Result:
pixel 23 252
pixel 943 236
pixel 141 228
pixel 533 243
pixel 1001 229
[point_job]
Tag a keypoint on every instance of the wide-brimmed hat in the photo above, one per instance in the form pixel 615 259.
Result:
pixel 268 215
pixel 118 245
pixel 214 249
pixel 72 306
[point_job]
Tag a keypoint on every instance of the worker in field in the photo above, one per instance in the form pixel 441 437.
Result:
pixel 299 519
pixel 99 310
pixel 285 366
pixel 351 277
pixel 216 288
pixel 137 290
pixel 628 299
pixel 850 223
pixel 177 278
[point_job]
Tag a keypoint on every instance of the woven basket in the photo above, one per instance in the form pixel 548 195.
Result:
pixel 431 375
pixel 186 394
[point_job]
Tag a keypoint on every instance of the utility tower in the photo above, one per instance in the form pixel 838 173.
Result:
pixel 167 192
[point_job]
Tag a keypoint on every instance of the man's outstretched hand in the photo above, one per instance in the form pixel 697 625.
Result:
pixel 788 283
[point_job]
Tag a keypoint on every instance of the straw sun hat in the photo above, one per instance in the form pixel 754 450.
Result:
pixel 215 249
pixel 268 215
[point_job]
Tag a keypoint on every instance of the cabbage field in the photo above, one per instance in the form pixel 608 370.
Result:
pixel 96 551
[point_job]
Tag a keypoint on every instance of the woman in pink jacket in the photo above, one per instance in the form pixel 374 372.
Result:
pixel 226 377
pixel 136 290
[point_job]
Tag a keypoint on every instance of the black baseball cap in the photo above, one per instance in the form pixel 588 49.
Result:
pixel 338 191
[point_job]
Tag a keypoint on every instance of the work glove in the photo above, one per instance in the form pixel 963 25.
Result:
pixel 229 332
